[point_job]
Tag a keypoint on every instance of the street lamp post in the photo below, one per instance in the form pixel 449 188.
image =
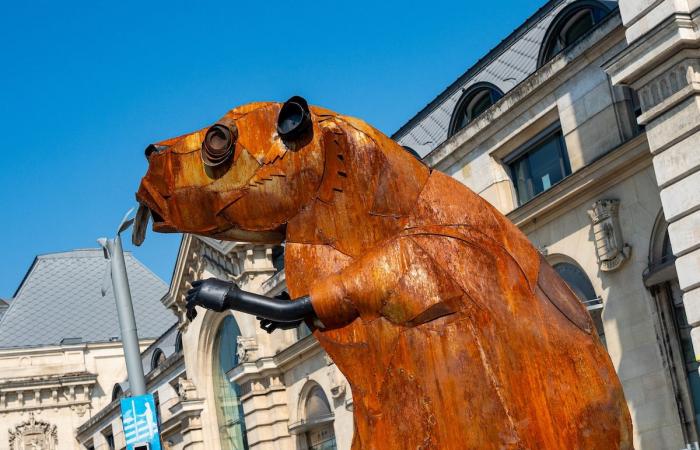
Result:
pixel 114 253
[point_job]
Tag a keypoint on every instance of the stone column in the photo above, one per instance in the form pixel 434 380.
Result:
pixel 264 400
pixel 191 424
pixel 662 64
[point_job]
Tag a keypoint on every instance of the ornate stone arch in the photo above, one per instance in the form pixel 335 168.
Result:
pixel 34 434
pixel 315 419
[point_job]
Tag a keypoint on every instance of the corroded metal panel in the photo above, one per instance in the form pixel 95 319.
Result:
pixel 451 329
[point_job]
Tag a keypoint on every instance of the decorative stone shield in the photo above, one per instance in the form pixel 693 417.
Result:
pixel 611 250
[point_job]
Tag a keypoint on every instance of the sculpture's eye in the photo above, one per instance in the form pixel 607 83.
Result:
pixel 218 144
pixel 294 118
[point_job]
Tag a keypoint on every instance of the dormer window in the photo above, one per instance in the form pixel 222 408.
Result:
pixel 569 26
pixel 473 103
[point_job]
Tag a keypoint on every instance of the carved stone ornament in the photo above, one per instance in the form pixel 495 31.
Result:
pixel 34 435
pixel 611 250
pixel 671 81
pixel 186 389
pixel 246 348
pixel 337 384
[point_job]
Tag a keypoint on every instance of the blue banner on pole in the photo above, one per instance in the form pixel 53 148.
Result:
pixel 140 423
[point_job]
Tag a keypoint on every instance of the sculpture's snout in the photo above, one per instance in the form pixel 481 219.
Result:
pixel 154 148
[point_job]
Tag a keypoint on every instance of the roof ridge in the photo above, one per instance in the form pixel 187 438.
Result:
pixel 74 253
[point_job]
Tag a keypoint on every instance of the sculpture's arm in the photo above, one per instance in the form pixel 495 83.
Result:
pixel 398 281
pixel 273 313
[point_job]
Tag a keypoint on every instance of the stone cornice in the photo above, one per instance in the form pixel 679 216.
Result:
pixel 63 391
pixel 646 56
pixel 47 382
pixel 616 165
pixel 48 349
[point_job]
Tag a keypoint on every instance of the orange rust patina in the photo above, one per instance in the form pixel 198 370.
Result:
pixel 451 329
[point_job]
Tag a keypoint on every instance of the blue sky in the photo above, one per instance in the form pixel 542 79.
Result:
pixel 86 86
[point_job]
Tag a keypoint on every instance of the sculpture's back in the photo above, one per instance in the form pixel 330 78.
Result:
pixel 451 329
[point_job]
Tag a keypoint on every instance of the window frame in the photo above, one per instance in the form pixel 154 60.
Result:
pixel 317 423
pixel 155 358
pixel 469 96
pixel 108 435
pixel 117 391
pixel 178 342
pixel 594 304
pixel 598 10
pixel 529 147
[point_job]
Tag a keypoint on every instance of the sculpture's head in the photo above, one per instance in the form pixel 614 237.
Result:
pixel 242 178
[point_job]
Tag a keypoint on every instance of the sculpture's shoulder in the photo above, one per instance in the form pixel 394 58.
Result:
pixel 445 201
pixel 449 208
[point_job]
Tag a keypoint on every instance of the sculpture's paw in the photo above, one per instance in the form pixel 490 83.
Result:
pixel 271 325
pixel 210 294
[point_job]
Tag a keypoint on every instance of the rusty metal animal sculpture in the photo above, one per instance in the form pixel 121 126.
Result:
pixel 451 329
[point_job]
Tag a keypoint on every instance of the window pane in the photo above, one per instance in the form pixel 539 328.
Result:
pixel 521 173
pixel 228 406
pixel 480 105
pixel 540 168
pixel 463 120
pixel 578 26
pixel 577 281
pixel 474 104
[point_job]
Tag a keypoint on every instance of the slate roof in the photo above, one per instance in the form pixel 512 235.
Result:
pixel 3 307
pixel 507 65
pixel 60 299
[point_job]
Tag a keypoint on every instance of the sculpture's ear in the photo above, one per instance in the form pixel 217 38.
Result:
pixel 294 118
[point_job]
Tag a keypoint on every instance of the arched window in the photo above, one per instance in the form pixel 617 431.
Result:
pixel 581 286
pixel 318 419
pixel 157 358
pixel 673 329
pixel 117 392
pixel 475 100
pixel 229 410
pixel 569 26
pixel 178 342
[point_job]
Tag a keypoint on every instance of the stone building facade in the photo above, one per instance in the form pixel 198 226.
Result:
pixel 581 128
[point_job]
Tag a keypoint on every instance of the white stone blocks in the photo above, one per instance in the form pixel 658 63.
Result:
pixel 673 125
pixel 685 233
pixel 688 268
pixel 681 197
pixel 691 300
pixel 678 160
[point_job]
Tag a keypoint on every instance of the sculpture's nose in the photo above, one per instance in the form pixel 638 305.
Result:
pixel 153 148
